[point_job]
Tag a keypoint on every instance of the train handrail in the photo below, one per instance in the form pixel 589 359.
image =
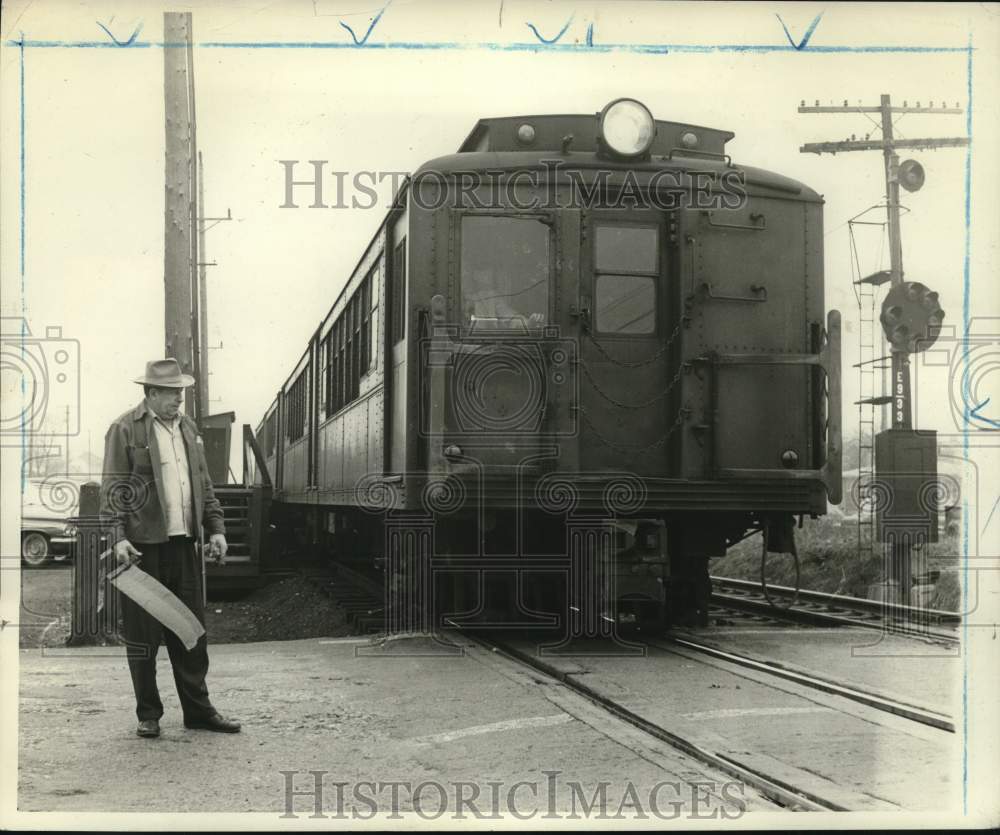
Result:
pixel 249 439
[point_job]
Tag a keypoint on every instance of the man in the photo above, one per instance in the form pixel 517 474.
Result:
pixel 157 486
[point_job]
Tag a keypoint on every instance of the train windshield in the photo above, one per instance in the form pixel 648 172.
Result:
pixel 505 272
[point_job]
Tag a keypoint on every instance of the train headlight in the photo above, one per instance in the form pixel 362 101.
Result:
pixel 627 128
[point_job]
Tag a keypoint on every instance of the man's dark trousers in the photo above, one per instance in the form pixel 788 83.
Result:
pixel 176 565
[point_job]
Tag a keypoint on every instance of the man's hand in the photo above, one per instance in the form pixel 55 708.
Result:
pixel 126 553
pixel 217 548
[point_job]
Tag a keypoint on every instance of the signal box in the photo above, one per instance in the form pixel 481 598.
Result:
pixel 906 470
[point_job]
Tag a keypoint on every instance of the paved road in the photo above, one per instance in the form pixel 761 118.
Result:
pixel 390 715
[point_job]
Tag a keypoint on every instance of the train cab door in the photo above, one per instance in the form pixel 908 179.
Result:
pixel 628 339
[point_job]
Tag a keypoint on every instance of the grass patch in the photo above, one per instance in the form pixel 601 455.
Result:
pixel 829 561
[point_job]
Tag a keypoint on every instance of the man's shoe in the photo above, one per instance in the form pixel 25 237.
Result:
pixel 148 728
pixel 214 723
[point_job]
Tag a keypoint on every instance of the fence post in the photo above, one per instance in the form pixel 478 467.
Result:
pixel 85 627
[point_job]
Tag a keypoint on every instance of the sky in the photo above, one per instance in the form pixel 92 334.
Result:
pixel 94 149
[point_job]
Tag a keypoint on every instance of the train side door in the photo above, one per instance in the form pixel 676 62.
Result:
pixel 628 332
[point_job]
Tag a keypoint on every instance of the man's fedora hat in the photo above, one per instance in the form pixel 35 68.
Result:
pixel 165 374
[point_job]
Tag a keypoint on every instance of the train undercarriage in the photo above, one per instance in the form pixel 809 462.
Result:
pixel 579 575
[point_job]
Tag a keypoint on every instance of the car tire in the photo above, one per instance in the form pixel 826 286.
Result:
pixel 35 549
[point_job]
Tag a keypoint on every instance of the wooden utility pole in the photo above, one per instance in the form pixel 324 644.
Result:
pixel 180 244
pixel 202 295
pixel 204 224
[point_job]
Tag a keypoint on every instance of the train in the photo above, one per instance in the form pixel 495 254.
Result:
pixel 578 358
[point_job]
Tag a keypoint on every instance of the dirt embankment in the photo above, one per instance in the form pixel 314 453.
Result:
pixel 295 607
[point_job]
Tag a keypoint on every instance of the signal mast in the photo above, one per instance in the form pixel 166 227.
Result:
pixel 911 317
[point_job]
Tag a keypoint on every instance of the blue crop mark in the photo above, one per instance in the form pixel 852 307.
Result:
pixel 805 38
pixel 966 314
pixel 373 24
pixel 550 41
pixel 24 318
pixel 590 34
pixel 129 42
pixel 21 50
pixel 570 46
pixel 974 414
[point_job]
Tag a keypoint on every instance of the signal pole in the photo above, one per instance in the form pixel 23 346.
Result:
pixel 902 412
pixel 905 461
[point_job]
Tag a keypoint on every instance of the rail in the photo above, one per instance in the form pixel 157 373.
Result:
pixel 923 715
pixel 837 610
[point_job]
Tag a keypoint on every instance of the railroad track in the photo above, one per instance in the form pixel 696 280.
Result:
pixel 822 609
pixel 887 704
pixel 791 788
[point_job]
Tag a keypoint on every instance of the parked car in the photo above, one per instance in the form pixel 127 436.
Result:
pixel 45 539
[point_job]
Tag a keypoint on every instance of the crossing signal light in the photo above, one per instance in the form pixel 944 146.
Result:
pixel 911 317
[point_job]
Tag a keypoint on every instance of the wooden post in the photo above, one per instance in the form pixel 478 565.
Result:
pixel 85 628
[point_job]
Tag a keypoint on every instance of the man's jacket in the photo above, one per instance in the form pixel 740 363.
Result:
pixel 132 483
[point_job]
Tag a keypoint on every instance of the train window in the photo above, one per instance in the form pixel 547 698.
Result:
pixel 269 435
pixel 397 299
pixel 505 272
pixel 626 304
pixel 296 399
pixel 628 249
pixel 350 353
pixel 329 358
pixel 365 314
pixel 341 366
pixel 626 268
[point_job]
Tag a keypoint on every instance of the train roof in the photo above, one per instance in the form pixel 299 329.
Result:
pixel 501 134
pixel 755 178
pixel 494 144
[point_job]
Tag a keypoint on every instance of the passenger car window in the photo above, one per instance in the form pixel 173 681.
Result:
pixel 505 272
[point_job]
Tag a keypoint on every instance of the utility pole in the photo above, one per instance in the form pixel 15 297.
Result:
pixel 902 413
pixel 201 318
pixel 200 407
pixel 911 317
pixel 202 221
pixel 179 243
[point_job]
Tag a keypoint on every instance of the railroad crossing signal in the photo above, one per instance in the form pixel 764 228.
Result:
pixel 909 175
pixel 911 318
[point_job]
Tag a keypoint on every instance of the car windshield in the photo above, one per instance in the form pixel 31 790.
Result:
pixel 505 272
